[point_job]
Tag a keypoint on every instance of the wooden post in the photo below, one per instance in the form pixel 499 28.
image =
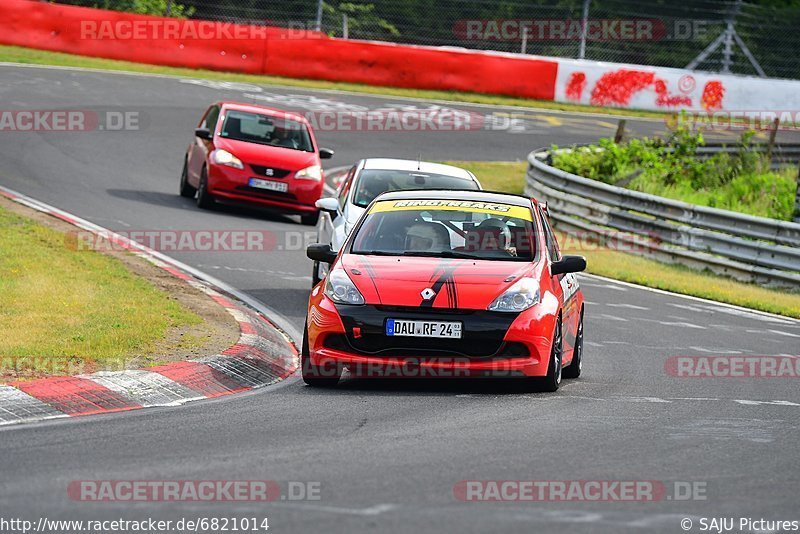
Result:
pixel 620 131
pixel 773 131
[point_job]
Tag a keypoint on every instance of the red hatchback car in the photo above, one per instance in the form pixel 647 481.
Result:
pixel 446 283
pixel 256 155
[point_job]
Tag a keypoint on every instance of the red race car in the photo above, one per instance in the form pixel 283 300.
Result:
pixel 256 155
pixel 446 283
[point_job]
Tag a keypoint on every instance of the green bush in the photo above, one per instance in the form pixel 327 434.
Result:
pixel 741 181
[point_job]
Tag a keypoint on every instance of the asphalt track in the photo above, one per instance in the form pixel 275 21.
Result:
pixel 388 454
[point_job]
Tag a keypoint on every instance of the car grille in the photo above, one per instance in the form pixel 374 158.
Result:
pixel 483 333
pixel 261 171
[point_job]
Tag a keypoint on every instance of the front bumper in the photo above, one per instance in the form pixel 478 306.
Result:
pixel 492 344
pixel 229 184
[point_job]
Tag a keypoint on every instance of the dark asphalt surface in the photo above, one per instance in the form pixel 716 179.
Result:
pixel 387 454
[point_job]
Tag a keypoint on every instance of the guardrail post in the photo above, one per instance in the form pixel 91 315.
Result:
pixel 773 131
pixel 620 131
pixel 797 198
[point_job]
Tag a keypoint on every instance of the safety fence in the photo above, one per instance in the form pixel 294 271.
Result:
pixel 745 247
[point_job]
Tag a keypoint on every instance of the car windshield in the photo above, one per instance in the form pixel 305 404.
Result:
pixel 447 229
pixel 373 182
pixel 266 130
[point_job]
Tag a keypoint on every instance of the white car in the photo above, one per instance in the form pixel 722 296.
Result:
pixel 369 178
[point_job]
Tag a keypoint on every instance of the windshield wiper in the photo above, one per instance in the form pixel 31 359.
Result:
pixel 376 253
pixel 441 254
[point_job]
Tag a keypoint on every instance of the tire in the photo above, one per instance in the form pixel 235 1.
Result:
pixel 310 219
pixel 186 190
pixel 204 199
pixel 573 370
pixel 553 378
pixel 314 376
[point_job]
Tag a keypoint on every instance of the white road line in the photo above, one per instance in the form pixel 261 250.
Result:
pixel 683 324
pixel 689 307
pixel 612 317
pixel 716 351
pixel 770 403
pixel 628 306
pixel 377 509
pixel 781 333
pixel 716 306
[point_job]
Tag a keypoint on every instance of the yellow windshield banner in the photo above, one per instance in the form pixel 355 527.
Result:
pixel 492 208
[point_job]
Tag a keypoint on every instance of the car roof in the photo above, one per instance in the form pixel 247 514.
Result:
pixel 415 165
pixel 255 108
pixel 474 196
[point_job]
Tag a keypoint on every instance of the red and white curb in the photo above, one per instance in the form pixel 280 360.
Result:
pixel 263 355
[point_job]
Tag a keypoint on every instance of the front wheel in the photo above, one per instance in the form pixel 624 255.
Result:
pixel 204 198
pixel 573 370
pixel 186 190
pixel 310 219
pixel 317 376
pixel 553 378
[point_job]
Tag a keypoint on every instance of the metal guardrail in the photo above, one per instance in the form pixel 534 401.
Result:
pixel 745 247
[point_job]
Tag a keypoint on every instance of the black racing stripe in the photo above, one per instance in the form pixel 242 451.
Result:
pixel 445 277
pixel 367 266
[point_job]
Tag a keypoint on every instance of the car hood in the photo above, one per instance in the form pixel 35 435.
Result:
pixel 458 283
pixel 269 156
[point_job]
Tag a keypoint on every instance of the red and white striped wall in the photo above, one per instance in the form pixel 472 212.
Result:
pixel 263 355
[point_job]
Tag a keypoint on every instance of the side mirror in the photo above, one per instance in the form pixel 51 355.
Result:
pixel 204 133
pixel 321 253
pixel 568 264
pixel 325 153
pixel 329 205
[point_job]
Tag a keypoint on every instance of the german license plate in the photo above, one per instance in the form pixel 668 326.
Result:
pixel 410 328
pixel 270 185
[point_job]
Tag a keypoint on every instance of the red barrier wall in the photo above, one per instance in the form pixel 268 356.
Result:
pixel 274 51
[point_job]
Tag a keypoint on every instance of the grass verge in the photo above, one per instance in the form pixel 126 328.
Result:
pixel 64 311
pixel 30 56
pixel 740 181
pixel 505 176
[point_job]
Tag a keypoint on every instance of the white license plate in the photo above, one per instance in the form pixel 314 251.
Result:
pixel 281 187
pixel 409 328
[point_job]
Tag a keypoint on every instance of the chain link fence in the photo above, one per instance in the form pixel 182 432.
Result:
pixel 712 35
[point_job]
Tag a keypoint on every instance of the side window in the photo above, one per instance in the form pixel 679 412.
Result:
pixel 549 238
pixel 345 189
pixel 211 118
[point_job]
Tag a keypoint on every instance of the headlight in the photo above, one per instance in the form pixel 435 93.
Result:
pixel 310 173
pixel 517 298
pixel 223 157
pixel 340 289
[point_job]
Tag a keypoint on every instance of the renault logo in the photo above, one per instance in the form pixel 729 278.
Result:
pixel 428 294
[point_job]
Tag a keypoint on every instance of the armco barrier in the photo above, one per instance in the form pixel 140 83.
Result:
pixel 274 51
pixel 307 54
pixel 752 249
